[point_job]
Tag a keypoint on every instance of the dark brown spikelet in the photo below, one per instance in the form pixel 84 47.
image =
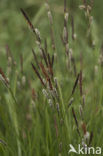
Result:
pixel 80 83
pixel 46 75
pixel 4 77
pixel 44 71
pixel 74 115
pixel 35 58
pixel 30 25
pixel 75 84
pixel 37 73
pixel 52 61
pixel 75 118
pixel 50 84
pixel 27 19
pixel 74 65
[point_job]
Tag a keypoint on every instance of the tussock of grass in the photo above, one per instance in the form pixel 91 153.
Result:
pixel 50 81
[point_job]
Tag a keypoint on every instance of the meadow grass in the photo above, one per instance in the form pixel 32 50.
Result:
pixel 50 79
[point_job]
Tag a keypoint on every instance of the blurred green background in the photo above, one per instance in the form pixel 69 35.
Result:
pixel 14 31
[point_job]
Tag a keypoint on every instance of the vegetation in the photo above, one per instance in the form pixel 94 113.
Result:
pixel 51 77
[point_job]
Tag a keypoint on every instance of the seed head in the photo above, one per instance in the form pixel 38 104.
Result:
pixel 45 93
pixel 47 6
pixel 50 17
pixel 37 32
pixel 23 80
pixel 50 102
pixel 66 15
